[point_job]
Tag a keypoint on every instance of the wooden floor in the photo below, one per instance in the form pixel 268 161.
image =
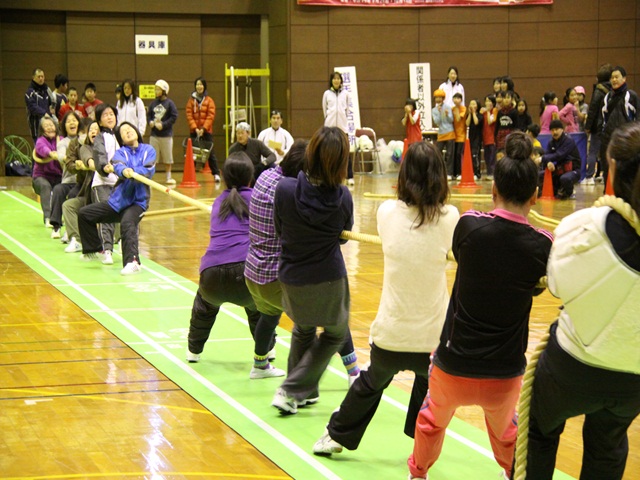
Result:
pixel 122 418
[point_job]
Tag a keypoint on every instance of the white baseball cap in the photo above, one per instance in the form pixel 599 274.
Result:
pixel 163 85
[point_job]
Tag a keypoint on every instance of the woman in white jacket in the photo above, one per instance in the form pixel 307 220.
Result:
pixel 591 364
pixel 335 108
pixel 131 108
pixel 452 85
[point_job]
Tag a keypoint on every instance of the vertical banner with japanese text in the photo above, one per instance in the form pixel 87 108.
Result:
pixel 420 90
pixel 350 84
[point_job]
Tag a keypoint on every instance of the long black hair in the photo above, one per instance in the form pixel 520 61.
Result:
pixel 237 173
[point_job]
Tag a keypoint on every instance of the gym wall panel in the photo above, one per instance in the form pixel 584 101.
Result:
pixel 536 36
pixel 360 39
pixel 312 39
pixel 310 66
pixel 438 38
pixel 617 33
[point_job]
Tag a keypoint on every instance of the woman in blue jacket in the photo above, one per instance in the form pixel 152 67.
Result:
pixel 127 202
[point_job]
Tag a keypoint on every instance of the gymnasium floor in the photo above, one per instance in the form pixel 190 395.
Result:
pixel 93 375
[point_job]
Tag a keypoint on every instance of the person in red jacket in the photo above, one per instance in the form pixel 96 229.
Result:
pixel 201 112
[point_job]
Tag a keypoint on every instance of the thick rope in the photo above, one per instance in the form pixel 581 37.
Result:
pixel 360 237
pixel 171 193
pixel 170 211
pixel 524 405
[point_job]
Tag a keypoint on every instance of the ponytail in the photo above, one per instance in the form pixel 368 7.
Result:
pixel 234 203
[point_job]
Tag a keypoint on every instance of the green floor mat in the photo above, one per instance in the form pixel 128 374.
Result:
pixel 150 312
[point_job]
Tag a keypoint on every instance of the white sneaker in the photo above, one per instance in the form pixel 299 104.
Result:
pixel 55 233
pixel 192 357
pixel 131 268
pixel 489 178
pixel 326 445
pixel 284 403
pixel 271 356
pixel 170 181
pixel 74 246
pixel 590 181
pixel 47 224
pixel 449 177
pixel 216 178
pixel 353 378
pixel 351 182
pixel 411 477
pixel 65 238
pixel 503 475
pixel 107 257
pixel 459 177
pixel 269 372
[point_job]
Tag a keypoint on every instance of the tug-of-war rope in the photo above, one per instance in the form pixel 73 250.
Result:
pixel 524 404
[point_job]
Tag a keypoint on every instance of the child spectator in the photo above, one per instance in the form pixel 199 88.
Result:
pixel 475 123
pixel 72 105
pixel 523 120
pixel 548 111
pixel 460 127
pixel 506 119
pixel 128 200
pixel 481 356
pixel 443 119
pixel 582 106
pixel 533 130
pixel 489 112
pixel 161 116
pixel 563 159
pixel 569 113
pixel 91 102
pixel 411 122
pixel 58 96
pixel 47 172
pixel 416 232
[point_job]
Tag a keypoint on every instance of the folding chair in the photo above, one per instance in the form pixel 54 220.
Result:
pixel 375 153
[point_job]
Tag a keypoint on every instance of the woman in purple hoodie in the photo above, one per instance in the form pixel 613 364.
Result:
pixel 310 213
pixel 47 172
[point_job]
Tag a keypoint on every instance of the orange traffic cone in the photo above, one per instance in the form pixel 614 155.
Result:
pixel 608 190
pixel 547 186
pixel 467 180
pixel 206 170
pixel 189 175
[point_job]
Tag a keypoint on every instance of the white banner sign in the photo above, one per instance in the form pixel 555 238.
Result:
pixel 152 44
pixel 420 90
pixel 350 84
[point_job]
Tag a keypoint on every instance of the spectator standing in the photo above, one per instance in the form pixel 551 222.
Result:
pixel 276 136
pixel 593 124
pixel 161 116
pixel 131 108
pixel 38 102
pixel 201 113
pixel 91 101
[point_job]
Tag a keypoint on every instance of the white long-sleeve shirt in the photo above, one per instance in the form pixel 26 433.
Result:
pixel 280 136
pixel 335 106
pixel 135 114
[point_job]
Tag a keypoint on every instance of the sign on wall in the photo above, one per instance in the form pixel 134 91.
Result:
pixel 420 90
pixel 423 3
pixel 147 92
pixel 350 84
pixel 152 44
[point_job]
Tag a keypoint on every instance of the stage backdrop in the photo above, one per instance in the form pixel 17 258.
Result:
pixel 422 3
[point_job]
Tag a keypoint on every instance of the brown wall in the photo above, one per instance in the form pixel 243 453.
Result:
pixel 542 48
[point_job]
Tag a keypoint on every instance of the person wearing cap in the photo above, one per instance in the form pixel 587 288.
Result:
pixel 275 137
pixel 260 155
pixel 563 160
pixel 582 106
pixel 443 119
pixel 620 106
pixel 161 116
